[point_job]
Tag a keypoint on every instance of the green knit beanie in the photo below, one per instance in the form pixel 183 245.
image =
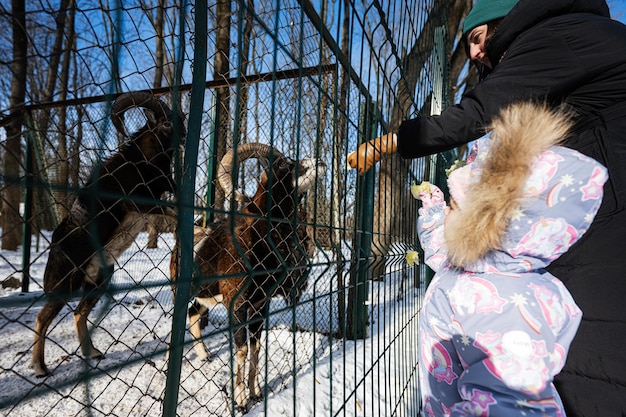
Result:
pixel 485 11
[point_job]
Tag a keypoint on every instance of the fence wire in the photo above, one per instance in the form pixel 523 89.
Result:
pixel 319 273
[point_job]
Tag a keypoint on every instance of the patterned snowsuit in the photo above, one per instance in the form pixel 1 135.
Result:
pixel 495 333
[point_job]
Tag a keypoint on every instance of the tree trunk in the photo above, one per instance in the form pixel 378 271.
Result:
pixel 160 57
pixel 221 71
pixel 160 62
pixel 43 200
pixel 114 42
pixel 75 153
pixel 342 134
pixel 12 195
pixel 63 174
pixel 244 89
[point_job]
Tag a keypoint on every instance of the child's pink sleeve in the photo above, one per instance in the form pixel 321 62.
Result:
pixel 430 232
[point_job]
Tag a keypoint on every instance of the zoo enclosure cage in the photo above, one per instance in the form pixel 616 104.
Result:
pixel 311 79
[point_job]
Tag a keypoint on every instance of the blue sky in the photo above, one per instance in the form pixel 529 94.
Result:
pixel 618 9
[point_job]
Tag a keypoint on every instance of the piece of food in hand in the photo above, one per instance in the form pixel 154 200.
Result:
pixel 417 189
pixel 411 257
pixel 425 186
pixel 457 164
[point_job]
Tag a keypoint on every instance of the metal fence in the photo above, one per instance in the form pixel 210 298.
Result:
pixel 310 79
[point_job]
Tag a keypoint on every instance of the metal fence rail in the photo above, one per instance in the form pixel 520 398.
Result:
pixel 309 79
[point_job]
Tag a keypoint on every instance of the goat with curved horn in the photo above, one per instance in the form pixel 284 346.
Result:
pixel 245 151
pixel 258 252
pixel 160 111
pixel 109 212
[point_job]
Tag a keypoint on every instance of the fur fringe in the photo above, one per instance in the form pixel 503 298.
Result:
pixel 520 133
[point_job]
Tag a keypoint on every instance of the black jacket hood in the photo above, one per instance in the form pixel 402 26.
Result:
pixel 528 13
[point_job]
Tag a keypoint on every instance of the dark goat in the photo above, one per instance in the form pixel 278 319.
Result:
pixel 107 215
pixel 245 260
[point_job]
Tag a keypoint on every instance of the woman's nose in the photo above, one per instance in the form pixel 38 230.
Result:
pixel 474 52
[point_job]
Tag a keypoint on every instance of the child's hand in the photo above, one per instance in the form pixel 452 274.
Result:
pixel 431 196
pixel 416 189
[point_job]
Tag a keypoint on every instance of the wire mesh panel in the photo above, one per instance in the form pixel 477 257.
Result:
pixel 180 232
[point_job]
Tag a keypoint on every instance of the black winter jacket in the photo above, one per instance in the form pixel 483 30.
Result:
pixel 564 51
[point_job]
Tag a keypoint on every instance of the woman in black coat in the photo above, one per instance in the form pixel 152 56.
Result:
pixel 561 52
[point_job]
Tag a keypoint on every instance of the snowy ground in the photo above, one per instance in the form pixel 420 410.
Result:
pixel 305 373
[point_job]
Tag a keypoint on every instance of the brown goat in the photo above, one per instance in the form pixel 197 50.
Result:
pixel 108 214
pixel 244 261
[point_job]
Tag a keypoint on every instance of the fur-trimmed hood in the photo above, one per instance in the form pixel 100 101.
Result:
pixel 528 200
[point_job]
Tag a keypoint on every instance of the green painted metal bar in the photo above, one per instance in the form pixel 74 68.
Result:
pixel 357 326
pixel 211 166
pixel 28 208
pixel 185 206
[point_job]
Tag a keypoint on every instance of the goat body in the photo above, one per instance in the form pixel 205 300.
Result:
pixel 244 261
pixel 105 219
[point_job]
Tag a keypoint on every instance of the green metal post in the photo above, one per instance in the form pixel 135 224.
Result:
pixel 357 326
pixel 185 205
pixel 211 170
pixel 28 204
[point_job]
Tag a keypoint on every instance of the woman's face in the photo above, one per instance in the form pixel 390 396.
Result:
pixel 476 42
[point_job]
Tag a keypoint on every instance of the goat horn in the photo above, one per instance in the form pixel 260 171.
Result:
pixel 244 151
pixel 137 99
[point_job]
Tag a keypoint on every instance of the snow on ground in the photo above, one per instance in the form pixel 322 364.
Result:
pixel 308 372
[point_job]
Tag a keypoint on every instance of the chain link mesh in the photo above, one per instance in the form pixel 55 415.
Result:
pixel 310 79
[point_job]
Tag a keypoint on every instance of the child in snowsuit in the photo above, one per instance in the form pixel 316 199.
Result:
pixel 496 327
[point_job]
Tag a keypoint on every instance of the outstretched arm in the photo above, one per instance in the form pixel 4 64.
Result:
pixel 370 152
pixel 430 225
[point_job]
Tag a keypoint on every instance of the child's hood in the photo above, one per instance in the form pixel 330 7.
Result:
pixel 528 200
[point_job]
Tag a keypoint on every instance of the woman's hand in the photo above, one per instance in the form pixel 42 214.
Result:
pixel 372 151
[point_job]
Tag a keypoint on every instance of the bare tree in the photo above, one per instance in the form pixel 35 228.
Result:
pixel 74 156
pixel 245 60
pixel 63 173
pixel 157 21
pixel 11 220
pixel 43 200
pixel 342 136
pixel 244 94
pixel 159 29
pixel 221 70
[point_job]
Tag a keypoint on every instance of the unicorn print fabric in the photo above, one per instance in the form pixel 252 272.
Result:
pixel 496 327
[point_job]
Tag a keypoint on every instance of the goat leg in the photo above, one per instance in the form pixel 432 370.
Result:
pixel 256 326
pixel 49 311
pixel 86 304
pixel 196 311
pixel 241 353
